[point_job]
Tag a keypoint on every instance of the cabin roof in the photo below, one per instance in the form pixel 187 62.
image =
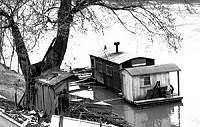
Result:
pixel 153 69
pixel 54 77
pixel 116 57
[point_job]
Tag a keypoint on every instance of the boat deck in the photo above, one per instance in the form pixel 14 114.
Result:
pixel 157 101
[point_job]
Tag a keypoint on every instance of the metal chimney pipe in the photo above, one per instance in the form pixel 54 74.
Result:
pixel 117 44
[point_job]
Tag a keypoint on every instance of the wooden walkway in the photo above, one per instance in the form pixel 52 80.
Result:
pixel 6 121
pixel 113 99
pixel 58 121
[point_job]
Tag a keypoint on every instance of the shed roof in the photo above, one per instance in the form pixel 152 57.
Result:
pixel 54 77
pixel 116 57
pixel 153 69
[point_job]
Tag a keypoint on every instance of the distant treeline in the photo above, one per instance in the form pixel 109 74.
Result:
pixel 179 1
pixel 160 1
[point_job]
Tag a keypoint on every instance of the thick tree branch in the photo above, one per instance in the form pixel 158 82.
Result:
pixel 130 7
pixel 82 4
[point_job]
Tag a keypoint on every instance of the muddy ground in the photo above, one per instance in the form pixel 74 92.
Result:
pixel 10 83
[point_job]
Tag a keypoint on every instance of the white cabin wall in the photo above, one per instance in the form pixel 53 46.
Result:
pixel 127 86
pixel 136 86
pixel 133 89
pixel 139 92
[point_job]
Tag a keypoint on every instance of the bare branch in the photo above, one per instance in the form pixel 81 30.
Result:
pixel 51 21
pixel 7 5
pixel 19 5
pixel 130 7
pixel 6 26
pixel 51 8
pixel 3 13
pixel 122 23
pixel 141 22
pixel 170 36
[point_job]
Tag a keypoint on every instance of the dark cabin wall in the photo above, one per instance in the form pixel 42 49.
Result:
pixel 127 64
pixel 93 65
pixel 111 81
pixel 114 80
pixel 150 62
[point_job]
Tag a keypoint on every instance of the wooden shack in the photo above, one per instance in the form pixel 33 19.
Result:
pixel 48 90
pixel 144 85
pixel 106 66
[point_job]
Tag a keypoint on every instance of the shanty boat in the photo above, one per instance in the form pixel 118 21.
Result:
pixel 148 85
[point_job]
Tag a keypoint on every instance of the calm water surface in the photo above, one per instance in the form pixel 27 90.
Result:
pixel 157 116
pixel 183 114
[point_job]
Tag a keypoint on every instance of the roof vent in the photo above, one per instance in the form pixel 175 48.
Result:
pixel 117 44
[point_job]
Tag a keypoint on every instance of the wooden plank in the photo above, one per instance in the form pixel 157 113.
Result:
pixel 52 98
pixel 36 96
pixel 40 97
pixel 6 121
pixel 113 99
pixel 98 108
pixel 158 101
pixel 178 82
pixel 47 100
pixel 55 120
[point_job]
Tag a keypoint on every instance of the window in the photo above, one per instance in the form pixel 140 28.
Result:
pixel 108 70
pixel 138 62
pixel 145 80
pixel 99 67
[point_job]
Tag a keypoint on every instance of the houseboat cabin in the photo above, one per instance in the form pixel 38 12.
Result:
pixel 149 84
pixel 106 66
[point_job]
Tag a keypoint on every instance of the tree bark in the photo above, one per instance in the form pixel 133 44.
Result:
pixel 55 55
pixel 23 58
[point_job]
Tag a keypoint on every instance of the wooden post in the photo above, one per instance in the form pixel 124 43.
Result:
pixel 178 82
pixel 179 116
pixel 16 105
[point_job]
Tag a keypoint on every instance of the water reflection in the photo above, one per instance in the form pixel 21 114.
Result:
pixel 157 116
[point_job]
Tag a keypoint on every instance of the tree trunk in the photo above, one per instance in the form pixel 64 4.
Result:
pixel 23 57
pixel 53 57
pixel 55 54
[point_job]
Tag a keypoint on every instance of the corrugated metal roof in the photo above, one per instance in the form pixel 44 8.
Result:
pixel 116 57
pixel 54 77
pixel 152 69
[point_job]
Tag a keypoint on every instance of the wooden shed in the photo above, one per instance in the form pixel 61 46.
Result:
pixel 140 84
pixel 106 66
pixel 49 89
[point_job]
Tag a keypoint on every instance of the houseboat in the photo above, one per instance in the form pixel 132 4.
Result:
pixel 106 66
pixel 147 85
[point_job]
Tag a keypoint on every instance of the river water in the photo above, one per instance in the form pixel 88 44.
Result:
pixel 183 114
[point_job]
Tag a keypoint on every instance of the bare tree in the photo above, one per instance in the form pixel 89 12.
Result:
pixel 27 20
